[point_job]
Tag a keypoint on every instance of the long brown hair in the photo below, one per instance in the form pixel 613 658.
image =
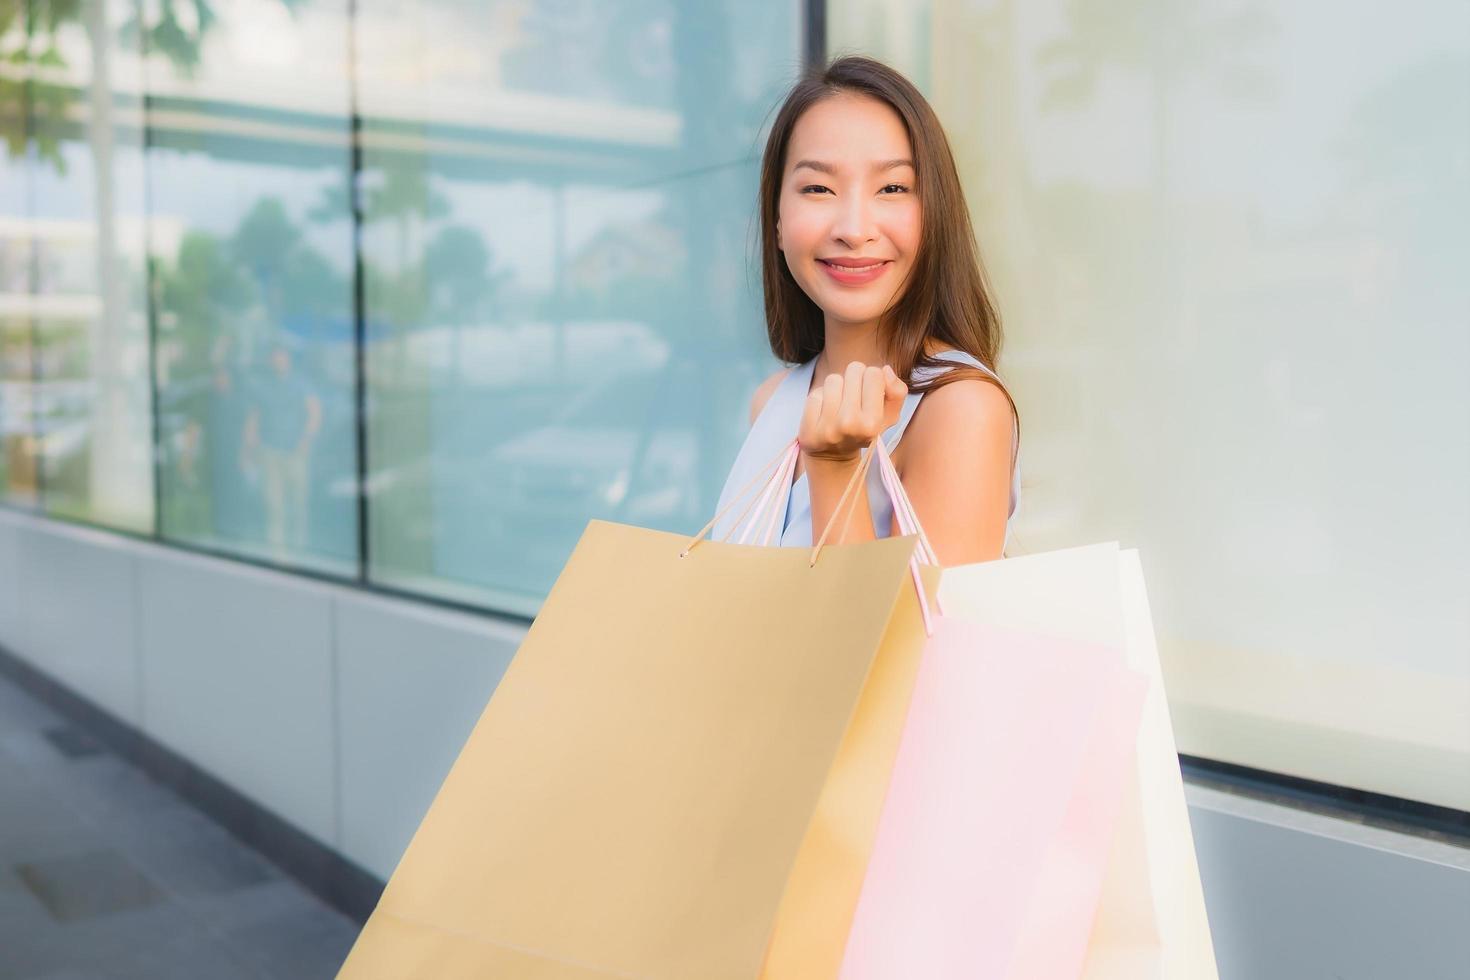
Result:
pixel 945 298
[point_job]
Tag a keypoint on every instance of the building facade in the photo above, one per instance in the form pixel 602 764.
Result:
pixel 326 326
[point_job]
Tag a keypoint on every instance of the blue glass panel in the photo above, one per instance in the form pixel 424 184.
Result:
pixel 563 312
pixel 251 239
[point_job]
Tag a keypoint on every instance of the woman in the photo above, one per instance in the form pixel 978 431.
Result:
pixel 873 289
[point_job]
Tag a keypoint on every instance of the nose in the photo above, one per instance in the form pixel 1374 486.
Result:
pixel 854 225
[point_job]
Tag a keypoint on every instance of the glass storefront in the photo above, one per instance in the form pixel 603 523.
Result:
pixel 75 408
pixel 405 293
pixel 542 232
pixel 250 233
pixel 562 322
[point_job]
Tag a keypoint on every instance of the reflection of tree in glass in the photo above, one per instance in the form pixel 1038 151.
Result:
pixel 212 300
pixel 213 286
pixel 198 297
pixel 396 189
pixel 263 244
pixel 407 199
pixel 461 282
pixel 41 94
pixel 177 34
pixel 28 40
pixel 200 291
pixel 458 270
pixel 451 280
pixel 178 30
pixel 28 34
pixel 290 276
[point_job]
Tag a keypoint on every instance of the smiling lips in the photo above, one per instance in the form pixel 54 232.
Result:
pixel 854 272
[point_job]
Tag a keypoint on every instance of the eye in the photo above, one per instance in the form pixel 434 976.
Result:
pixel 813 187
pixel 896 188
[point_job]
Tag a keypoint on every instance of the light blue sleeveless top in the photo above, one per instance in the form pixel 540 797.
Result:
pixel 777 425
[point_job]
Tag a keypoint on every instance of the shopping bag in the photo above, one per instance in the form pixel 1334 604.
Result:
pixel 975 843
pixel 996 827
pixel 1151 920
pixel 633 799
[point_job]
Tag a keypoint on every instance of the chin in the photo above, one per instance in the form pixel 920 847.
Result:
pixel 850 312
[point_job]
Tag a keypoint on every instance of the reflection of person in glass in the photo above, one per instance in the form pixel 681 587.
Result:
pixel 282 424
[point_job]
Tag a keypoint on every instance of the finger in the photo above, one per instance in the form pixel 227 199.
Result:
pixel 832 390
pixel 874 391
pixel 850 414
pixel 809 432
pixel 895 392
pixel 896 386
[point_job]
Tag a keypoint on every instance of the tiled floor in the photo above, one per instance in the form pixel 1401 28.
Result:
pixel 106 875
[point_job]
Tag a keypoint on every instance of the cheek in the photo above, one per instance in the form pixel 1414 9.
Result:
pixel 904 228
pixel 800 229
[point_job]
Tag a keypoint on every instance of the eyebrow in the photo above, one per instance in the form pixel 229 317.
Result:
pixel 827 168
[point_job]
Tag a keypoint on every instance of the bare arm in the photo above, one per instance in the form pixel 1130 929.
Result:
pixel 957 469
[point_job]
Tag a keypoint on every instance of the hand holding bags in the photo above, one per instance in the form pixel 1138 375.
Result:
pixel 634 796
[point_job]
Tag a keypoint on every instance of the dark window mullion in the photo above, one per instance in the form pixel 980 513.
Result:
pixel 359 305
pixel 816 33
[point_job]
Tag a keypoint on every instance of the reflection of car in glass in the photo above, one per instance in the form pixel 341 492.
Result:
pixel 624 450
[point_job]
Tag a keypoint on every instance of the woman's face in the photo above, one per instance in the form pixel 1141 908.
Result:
pixel 849 213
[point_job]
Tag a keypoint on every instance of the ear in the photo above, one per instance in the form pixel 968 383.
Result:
pixel 779 243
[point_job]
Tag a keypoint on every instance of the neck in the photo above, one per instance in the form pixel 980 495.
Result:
pixel 847 342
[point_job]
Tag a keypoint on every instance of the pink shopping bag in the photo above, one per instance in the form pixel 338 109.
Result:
pixel 997 824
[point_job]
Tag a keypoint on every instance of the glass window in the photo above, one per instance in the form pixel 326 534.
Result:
pixel 552 240
pixel 92 398
pixel 17 363
pixel 1229 242
pixel 251 241
pixel 563 316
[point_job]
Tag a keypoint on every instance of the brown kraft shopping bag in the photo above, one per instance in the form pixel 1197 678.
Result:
pixel 633 799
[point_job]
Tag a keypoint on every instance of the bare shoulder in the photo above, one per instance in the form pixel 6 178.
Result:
pixel 764 392
pixel 962 413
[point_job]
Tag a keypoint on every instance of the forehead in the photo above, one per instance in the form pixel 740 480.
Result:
pixel 850 132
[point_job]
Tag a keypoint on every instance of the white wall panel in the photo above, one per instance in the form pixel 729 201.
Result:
pixel 411 683
pixel 10 622
pixel 236 674
pixel 76 611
